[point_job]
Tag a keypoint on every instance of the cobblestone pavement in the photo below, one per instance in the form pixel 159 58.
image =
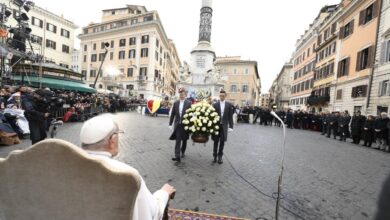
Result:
pixel 323 178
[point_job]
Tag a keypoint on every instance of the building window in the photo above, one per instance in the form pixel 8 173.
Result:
pixel 246 71
pixel 65 33
pixel 129 72
pixel 92 73
pixel 84 73
pixel 101 56
pixel 346 30
pixel 65 48
pixel 85 58
pixel 143 71
pixel 233 88
pixel 50 44
pixel 339 94
pixel 131 54
pixel 385 56
pixel 36 39
pixel 364 59
pixel 111 55
pixel 112 44
pixel 148 18
pixel 132 41
pixel 157 43
pixel 93 57
pixel 245 89
pixel 102 45
pixel 129 87
pixel 37 22
pixel 51 27
pixel 366 15
pixel 156 55
pixel 359 91
pixel 85 47
pixel 384 88
pixel 122 42
pixel 144 52
pixel 343 67
pixel 134 21
pixel 121 55
pixel 94 46
pixel 235 71
pixel 145 39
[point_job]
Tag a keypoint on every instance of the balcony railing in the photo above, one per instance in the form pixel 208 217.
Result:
pixel 318 100
pixel 142 78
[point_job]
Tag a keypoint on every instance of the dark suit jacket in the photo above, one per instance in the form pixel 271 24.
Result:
pixel 176 118
pixel 227 119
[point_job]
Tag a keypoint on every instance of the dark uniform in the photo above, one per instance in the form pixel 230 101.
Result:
pixel 34 110
pixel 343 127
pixel 332 125
pixel 357 124
pixel 368 132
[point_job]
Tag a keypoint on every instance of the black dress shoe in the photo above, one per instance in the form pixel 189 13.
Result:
pixel 215 160
pixel 220 160
pixel 176 159
pixel 183 155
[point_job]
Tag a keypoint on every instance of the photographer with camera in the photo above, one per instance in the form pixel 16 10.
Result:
pixel 36 112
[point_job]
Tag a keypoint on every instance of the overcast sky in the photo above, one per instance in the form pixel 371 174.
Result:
pixel 264 31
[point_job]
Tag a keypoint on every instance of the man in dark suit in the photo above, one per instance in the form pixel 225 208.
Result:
pixel 179 134
pixel 225 112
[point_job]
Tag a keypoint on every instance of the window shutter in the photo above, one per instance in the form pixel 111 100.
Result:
pixel 371 56
pixel 341 33
pixel 362 15
pixel 339 69
pixel 333 29
pixel 383 52
pixel 353 92
pixel 380 89
pixel 347 66
pixel 40 23
pixel 351 24
pixel 364 90
pixel 319 39
pixel 375 9
pixel 358 60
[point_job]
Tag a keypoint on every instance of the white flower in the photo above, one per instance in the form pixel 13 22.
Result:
pixel 200 124
pixel 186 128
pixel 185 116
pixel 198 128
pixel 198 109
pixel 207 114
pixel 197 113
pixel 212 131
pixel 192 119
pixel 216 133
pixel 205 120
pixel 193 130
pixel 203 129
pixel 209 124
pixel 216 127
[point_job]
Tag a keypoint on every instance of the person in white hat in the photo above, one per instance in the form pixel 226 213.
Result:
pixel 99 137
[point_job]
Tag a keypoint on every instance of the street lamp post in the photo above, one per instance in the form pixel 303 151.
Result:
pixel 106 45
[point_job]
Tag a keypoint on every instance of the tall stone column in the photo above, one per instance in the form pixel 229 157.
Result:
pixel 206 13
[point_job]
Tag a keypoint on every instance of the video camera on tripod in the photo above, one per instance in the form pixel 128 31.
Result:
pixel 53 104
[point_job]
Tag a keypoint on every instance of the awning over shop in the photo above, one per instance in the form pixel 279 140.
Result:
pixel 55 84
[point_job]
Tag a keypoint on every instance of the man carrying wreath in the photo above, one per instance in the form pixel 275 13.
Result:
pixel 225 124
pixel 179 134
